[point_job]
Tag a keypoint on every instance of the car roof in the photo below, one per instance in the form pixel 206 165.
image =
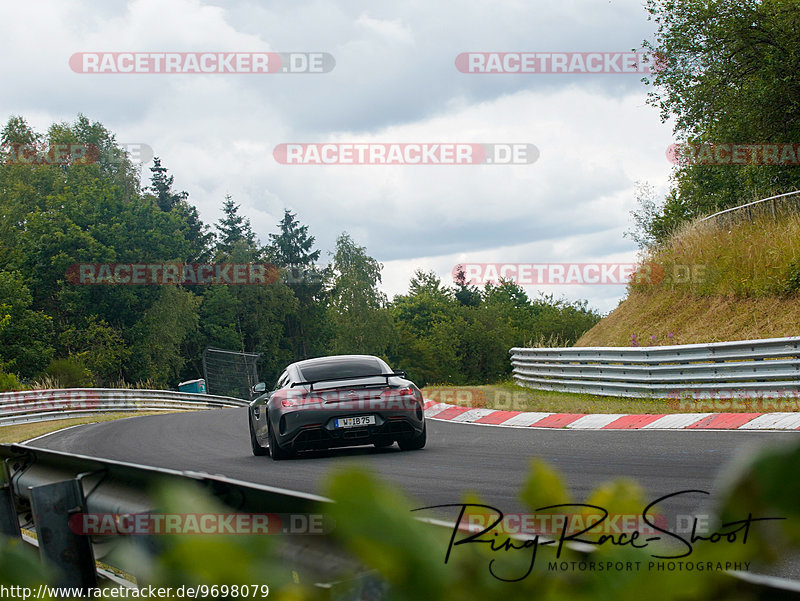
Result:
pixel 332 359
pixel 295 370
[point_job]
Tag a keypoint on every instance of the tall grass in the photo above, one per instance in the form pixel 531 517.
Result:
pixel 147 384
pixel 735 277
pixel 551 341
pixel 756 257
pixel 48 382
pixel 45 382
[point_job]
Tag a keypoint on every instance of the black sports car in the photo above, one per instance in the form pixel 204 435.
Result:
pixel 337 401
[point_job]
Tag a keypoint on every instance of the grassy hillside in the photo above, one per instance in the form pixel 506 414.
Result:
pixel 731 280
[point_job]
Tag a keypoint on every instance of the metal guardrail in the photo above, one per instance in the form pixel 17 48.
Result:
pixel 41 490
pixel 30 406
pixel 747 368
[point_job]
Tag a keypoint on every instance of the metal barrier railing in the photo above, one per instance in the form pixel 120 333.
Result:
pixel 769 367
pixel 43 490
pixel 30 406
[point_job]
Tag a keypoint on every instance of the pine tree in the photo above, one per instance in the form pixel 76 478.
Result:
pixel 196 232
pixel 291 250
pixel 161 186
pixel 233 230
pixel 466 294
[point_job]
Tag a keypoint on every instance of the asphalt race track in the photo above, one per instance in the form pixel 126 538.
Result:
pixel 459 458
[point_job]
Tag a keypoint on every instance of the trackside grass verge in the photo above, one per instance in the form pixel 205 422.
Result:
pixel 22 432
pixel 508 396
pixel 721 281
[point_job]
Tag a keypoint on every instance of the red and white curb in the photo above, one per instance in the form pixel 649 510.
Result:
pixel 614 421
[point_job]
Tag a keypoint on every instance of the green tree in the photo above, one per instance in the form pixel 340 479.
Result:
pixel 357 311
pixel 25 334
pixel 466 294
pixel 423 341
pixel 291 248
pixel 729 72
pixel 17 131
pixel 242 318
pixel 727 67
pixel 100 347
pixel 158 337
pixel 55 217
pixel 426 303
pixel 177 202
pixel 161 187
pixel 439 339
pixel 306 333
pixel 219 318
pixel 101 150
pixel 234 230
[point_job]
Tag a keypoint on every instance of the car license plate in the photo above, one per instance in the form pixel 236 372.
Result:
pixel 354 422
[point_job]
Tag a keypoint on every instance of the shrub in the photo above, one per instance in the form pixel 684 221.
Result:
pixel 69 373
pixel 9 382
pixel 792 283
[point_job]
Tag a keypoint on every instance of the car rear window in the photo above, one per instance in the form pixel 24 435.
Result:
pixel 342 368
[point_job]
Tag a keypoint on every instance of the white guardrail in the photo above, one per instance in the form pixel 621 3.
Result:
pixel 29 406
pixel 743 369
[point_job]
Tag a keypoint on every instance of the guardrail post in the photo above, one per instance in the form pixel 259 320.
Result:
pixel 71 553
pixel 9 524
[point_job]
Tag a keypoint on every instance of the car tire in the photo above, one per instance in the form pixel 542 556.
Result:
pixel 415 442
pixel 258 450
pixel 275 450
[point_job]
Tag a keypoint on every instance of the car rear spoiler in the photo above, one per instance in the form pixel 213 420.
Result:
pixel 394 374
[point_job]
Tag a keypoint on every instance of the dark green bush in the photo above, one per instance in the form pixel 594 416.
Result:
pixel 69 373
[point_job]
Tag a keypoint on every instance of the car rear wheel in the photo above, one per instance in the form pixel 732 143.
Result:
pixel 258 450
pixel 275 450
pixel 415 442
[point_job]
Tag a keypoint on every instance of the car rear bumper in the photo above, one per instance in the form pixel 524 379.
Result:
pixel 305 430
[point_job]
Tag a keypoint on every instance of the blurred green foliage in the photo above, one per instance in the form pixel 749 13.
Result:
pixel 403 558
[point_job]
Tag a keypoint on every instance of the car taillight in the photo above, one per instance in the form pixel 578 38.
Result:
pixel 296 401
pixel 399 392
pixel 407 398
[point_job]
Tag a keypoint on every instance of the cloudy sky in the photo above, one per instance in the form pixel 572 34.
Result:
pixel 394 81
